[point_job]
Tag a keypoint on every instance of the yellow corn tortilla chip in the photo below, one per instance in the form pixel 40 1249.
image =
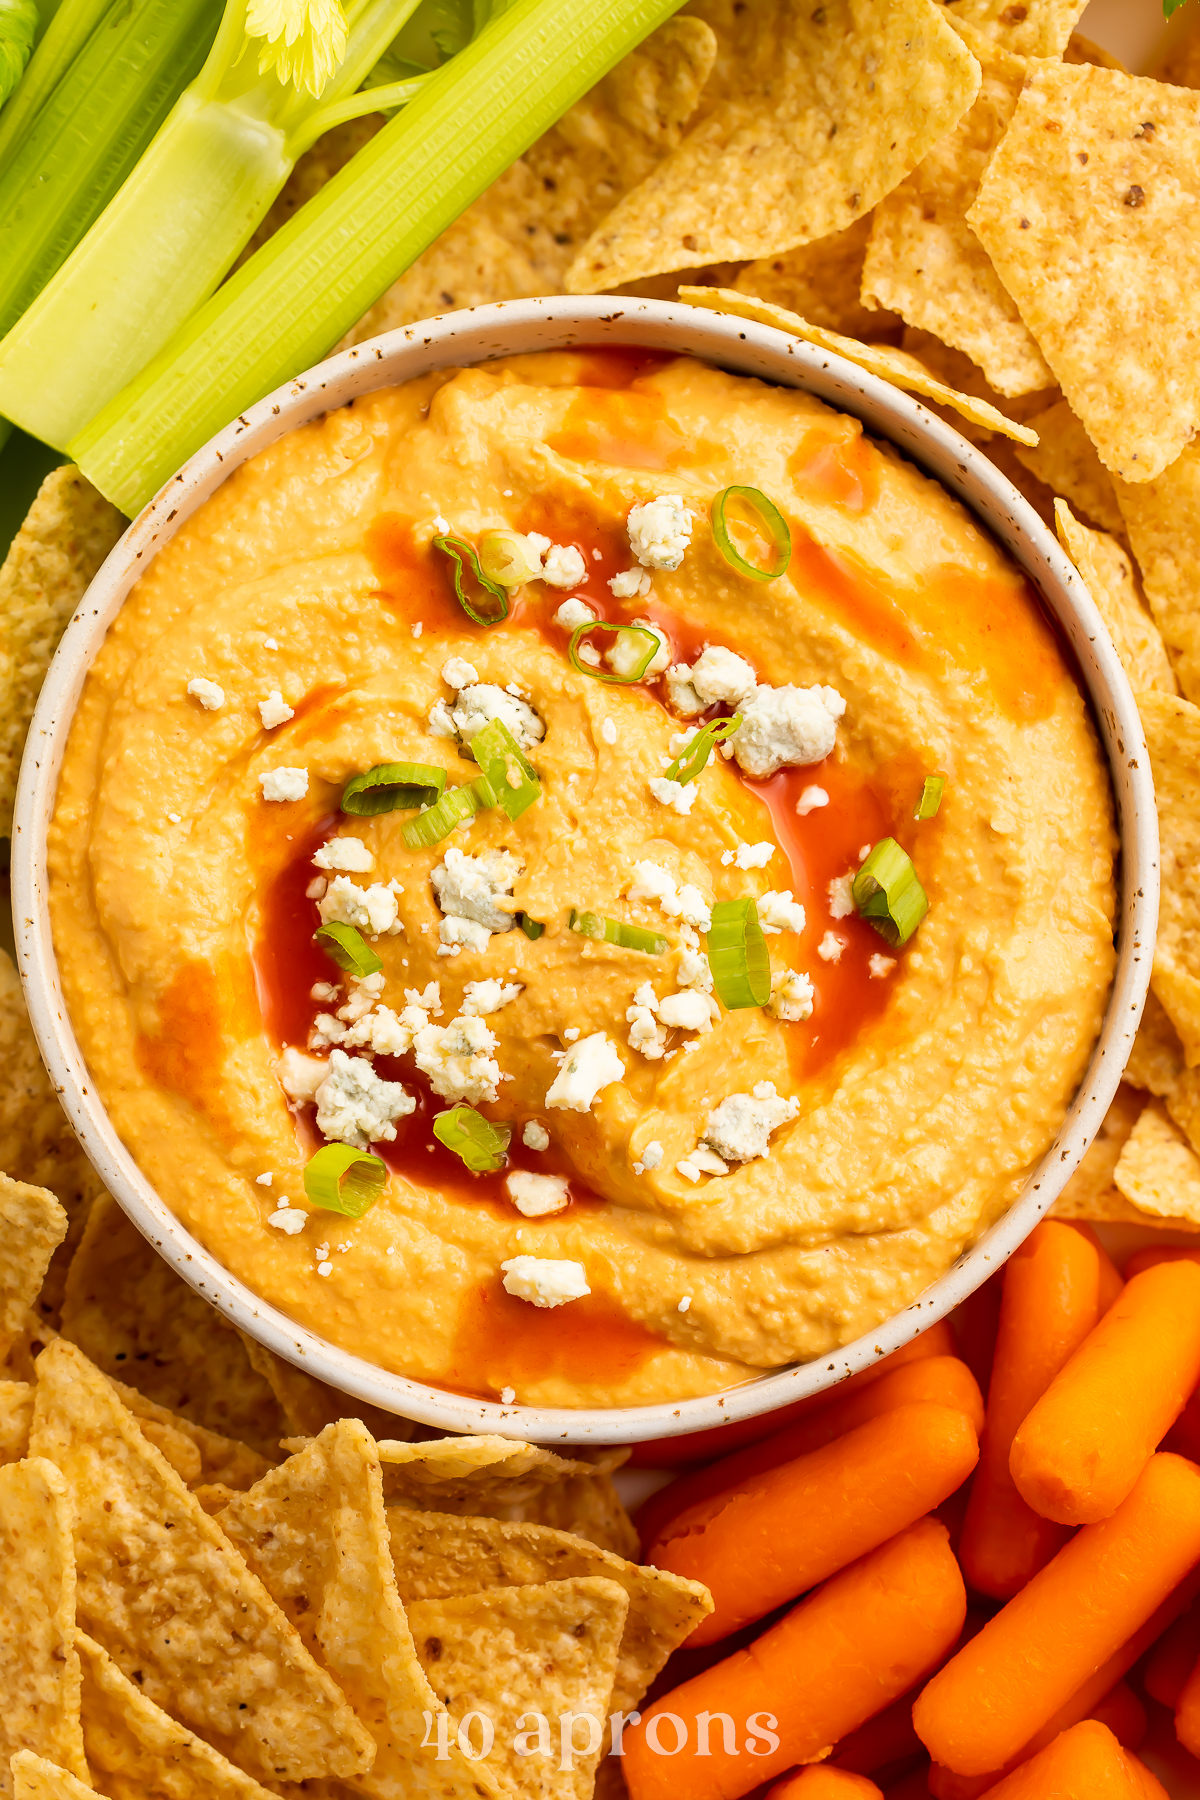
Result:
pixel 511 1653
pixel 497 1476
pixel 1177 59
pixel 1082 50
pixel 1089 1190
pixel 308 1405
pixel 1111 580
pixel 1158 1171
pixel 26 1347
pixel 923 260
pixel 39 1669
pixel 812 115
pixel 896 366
pixel 1162 518
pixel 68 532
pixel 1026 28
pixel 165 1593
pixel 34 1778
pixel 16 1416
pixel 1173 734
pixel 1087 212
pixel 1156 1060
pixel 32 1225
pixel 437 1557
pixel 36 1143
pixel 137 1320
pixel 821 281
pixel 222 1459
pixel 520 237
pixel 1067 462
pixel 315 1532
pixel 138 1752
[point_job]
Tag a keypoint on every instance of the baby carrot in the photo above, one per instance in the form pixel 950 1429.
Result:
pixel 1091 1434
pixel 1124 1714
pixel 783 1531
pixel 1172 1660
pixel 943 1379
pixel 887 1738
pixel 820 1781
pixel 702 1446
pixel 1008 1682
pixel 1085 1763
pixel 1153 1254
pixel 845 1652
pixel 1111 1279
pixel 1050 1301
pixel 1187 1713
pixel 975 1321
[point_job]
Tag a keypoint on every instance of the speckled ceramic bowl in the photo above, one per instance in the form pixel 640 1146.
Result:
pixel 476 336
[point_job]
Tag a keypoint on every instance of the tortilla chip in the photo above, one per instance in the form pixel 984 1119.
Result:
pixel 1087 212
pixel 36 1143
pixel 924 261
pixel 16 1416
pixel 222 1459
pixel 1067 462
pixel 1111 580
pixel 34 1778
pixel 1177 60
pixel 68 532
pixel 1089 1192
pixel 1156 1060
pixel 164 1592
pixel 315 1532
pixel 1158 1171
pixel 812 116
pixel 548 1650
pixel 32 1225
pixel 519 238
pixel 308 1405
pixel 437 1557
pixel 1082 50
pixel 136 1319
pixel 39 1670
pixel 138 1752
pixel 1173 734
pixel 494 1476
pixel 896 366
pixel 1162 518
pixel 1029 28
pixel 821 281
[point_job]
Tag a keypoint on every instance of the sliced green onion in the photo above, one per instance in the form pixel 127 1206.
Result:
pixel 621 631
pixel 481 1145
pixel 532 928
pixel 887 893
pixel 509 776
pixel 509 558
pixel 344 1180
pixel 482 588
pixel 738 955
pixel 437 822
pixel 694 755
pixel 348 949
pixel 615 931
pixel 390 787
pixel 771 517
pixel 931 797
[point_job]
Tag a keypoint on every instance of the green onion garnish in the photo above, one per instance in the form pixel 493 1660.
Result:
pixel 532 928
pixel 580 631
pixel 887 893
pixel 738 956
pixel 770 516
pixel 390 787
pixel 343 1180
pixel 475 603
pixel 512 779
pixel 694 755
pixel 438 821
pixel 615 931
pixel 348 949
pixel 481 1145
pixel 509 558
pixel 931 797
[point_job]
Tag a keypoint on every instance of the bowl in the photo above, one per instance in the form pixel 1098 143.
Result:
pixel 474 336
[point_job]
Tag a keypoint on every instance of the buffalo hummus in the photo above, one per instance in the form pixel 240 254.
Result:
pixel 697 1185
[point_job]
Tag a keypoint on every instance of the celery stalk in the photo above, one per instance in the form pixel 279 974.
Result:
pixel 66 34
pixel 306 286
pixel 178 223
pixel 89 135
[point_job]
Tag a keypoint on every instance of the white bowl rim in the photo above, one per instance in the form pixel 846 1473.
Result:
pixel 477 335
